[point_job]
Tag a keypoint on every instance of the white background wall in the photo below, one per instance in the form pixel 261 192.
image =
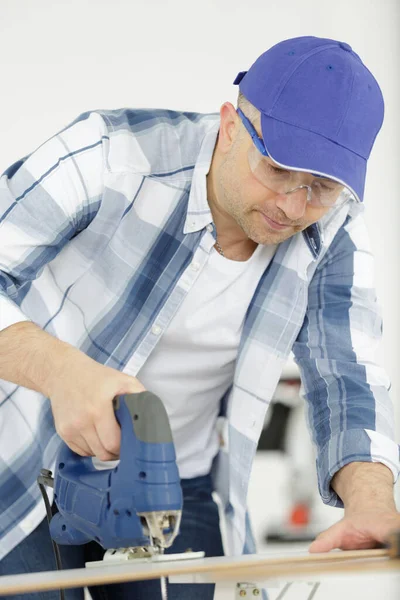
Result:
pixel 58 59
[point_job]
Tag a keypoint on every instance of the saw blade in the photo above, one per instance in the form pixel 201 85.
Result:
pixel 163 583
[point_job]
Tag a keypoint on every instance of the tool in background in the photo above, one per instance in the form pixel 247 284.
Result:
pixel 132 510
pixel 302 515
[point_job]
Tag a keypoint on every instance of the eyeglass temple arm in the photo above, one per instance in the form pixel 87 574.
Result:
pixel 258 142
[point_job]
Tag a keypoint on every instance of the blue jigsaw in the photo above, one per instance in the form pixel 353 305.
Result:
pixel 136 503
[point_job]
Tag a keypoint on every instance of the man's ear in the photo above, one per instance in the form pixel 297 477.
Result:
pixel 229 127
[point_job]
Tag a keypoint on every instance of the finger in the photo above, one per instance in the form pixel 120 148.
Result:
pixel 131 385
pixel 79 449
pixel 96 447
pixel 78 445
pixel 327 540
pixel 109 432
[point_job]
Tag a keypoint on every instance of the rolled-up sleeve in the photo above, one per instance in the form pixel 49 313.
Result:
pixel 350 413
pixel 45 200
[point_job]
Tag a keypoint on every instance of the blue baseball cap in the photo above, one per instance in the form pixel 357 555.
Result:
pixel 321 108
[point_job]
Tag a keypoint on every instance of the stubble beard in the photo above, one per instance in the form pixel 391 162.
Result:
pixel 251 222
pixel 249 218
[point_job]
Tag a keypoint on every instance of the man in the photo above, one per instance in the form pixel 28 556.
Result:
pixel 189 254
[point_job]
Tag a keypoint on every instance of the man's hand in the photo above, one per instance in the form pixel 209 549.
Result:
pixel 366 490
pixel 358 531
pixel 81 392
pixel 80 389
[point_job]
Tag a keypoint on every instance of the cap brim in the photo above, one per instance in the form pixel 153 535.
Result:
pixel 299 149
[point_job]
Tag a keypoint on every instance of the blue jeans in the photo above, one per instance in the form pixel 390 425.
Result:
pixel 199 531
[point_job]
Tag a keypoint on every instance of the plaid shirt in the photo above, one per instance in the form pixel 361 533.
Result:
pixel 99 228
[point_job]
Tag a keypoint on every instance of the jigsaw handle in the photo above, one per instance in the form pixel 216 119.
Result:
pixel 147 450
pixel 148 415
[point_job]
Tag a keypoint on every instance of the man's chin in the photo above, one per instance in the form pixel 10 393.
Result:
pixel 263 230
pixel 259 231
pixel 273 237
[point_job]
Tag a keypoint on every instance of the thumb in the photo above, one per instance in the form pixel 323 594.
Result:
pixel 327 540
pixel 131 385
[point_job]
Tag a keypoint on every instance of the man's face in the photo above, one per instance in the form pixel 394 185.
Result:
pixel 265 216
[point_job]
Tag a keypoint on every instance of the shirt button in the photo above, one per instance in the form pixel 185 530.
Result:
pixel 209 227
pixel 156 330
pixel 195 266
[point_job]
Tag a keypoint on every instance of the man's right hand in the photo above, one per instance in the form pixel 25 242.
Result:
pixel 81 393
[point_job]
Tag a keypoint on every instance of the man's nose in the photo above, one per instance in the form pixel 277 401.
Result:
pixel 293 204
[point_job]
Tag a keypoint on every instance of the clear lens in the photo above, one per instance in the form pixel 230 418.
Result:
pixel 323 192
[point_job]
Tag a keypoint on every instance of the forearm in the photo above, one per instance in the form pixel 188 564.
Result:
pixel 30 356
pixel 365 486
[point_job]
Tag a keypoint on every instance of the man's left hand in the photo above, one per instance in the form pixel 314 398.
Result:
pixel 358 531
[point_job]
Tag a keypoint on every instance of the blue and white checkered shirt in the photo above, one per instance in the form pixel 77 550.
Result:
pixel 98 228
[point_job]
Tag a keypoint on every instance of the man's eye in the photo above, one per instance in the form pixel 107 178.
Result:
pixel 326 187
pixel 278 171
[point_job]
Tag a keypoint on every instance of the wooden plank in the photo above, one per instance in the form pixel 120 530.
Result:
pixel 243 568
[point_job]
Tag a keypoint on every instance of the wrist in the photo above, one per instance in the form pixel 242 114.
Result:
pixel 365 487
pixel 62 357
pixel 370 505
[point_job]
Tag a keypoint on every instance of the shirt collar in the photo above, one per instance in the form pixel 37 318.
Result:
pixel 199 214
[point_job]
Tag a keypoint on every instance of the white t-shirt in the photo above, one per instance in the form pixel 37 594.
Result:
pixel 193 364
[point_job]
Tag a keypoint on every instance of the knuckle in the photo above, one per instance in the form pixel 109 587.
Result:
pixel 65 431
pixel 69 429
